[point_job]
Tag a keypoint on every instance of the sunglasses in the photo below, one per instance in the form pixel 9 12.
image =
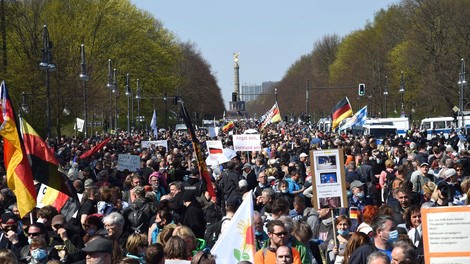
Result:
pixel 280 234
pixel 34 234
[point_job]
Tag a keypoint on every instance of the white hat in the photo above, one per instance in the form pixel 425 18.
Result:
pixel 449 173
pixel 302 155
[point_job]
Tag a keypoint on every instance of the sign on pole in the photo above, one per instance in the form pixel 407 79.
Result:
pixel 247 142
pixel 328 180
pixel 155 143
pixel 127 161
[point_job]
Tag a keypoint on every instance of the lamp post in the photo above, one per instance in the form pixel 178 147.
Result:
pixel 385 95
pixel 402 92
pixel 129 96
pixel 165 98
pixel 462 83
pixel 306 97
pixel 115 91
pixel 110 87
pixel 275 93
pixel 84 77
pixel 47 66
pixel 138 97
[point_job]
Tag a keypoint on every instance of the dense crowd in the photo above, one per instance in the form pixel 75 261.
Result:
pixel 163 213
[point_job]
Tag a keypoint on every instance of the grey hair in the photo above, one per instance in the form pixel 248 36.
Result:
pixel 288 223
pixel 377 255
pixel 408 250
pixel 380 221
pixel 114 218
pixel 270 192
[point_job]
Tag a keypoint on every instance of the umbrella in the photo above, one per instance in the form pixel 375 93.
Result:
pixel 316 141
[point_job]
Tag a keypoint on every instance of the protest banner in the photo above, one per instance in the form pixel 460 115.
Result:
pixel 328 178
pixel 247 142
pixel 127 161
pixel 446 234
pixel 155 143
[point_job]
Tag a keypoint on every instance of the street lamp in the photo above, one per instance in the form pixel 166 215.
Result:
pixel 165 98
pixel 306 97
pixel 47 66
pixel 84 77
pixel 129 96
pixel 110 87
pixel 138 97
pixel 462 83
pixel 115 91
pixel 385 95
pixel 24 103
pixel 402 92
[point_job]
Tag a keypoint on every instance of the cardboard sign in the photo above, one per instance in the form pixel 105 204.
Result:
pixel 127 161
pixel 216 154
pixel 155 143
pixel 329 180
pixel 446 234
pixel 247 142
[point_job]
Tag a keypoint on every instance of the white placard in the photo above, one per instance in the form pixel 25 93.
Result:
pixel 247 142
pixel 216 155
pixel 127 161
pixel 329 178
pixel 80 123
pixel 156 143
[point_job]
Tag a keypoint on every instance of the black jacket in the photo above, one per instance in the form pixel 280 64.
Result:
pixel 193 217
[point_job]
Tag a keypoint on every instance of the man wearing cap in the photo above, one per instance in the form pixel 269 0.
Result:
pixel 99 250
pixel 11 236
pixel 301 166
pixel 63 235
pixel 420 177
pixel 250 176
pixel 358 198
pixel 193 216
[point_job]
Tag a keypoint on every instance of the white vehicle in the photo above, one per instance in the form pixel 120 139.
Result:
pixel 402 124
pixel 380 131
pixel 440 125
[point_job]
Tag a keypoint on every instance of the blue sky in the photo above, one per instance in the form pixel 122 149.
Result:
pixel 269 35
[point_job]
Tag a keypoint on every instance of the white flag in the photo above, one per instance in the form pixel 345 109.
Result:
pixel 153 124
pixel 237 243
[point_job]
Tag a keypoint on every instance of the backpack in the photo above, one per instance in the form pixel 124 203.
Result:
pixel 213 232
pixel 388 188
pixel 138 218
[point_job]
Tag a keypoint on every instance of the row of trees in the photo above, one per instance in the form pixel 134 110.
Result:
pixel 425 39
pixel 136 42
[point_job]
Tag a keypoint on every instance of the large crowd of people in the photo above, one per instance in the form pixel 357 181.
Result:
pixel 163 213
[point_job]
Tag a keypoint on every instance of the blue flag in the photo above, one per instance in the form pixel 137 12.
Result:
pixel 358 119
pixel 153 124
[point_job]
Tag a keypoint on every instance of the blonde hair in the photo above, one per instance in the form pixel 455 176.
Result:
pixel 134 241
pixel 185 232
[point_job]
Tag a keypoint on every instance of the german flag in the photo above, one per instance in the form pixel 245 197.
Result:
pixel 228 127
pixel 201 162
pixel 44 165
pixel 19 174
pixel 341 110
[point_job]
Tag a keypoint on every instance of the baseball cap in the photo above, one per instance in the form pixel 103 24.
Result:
pixel 424 164
pixel 356 184
pixel 449 173
pixel 246 166
pixel 100 244
pixel 302 155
